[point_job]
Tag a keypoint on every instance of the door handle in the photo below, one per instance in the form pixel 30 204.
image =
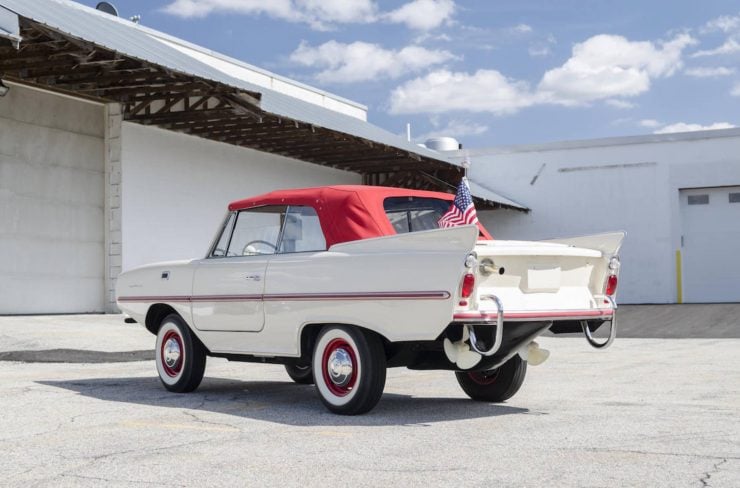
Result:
pixel 253 277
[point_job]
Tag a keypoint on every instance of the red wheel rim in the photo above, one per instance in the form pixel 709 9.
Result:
pixel 174 369
pixel 334 346
pixel 483 378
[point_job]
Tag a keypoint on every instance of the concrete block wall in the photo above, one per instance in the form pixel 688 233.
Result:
pixel 113 210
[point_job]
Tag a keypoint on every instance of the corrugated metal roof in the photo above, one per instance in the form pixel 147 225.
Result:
pixel 142 43
pixel 481 191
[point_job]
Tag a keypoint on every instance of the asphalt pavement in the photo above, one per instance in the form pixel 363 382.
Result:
pixel 646 412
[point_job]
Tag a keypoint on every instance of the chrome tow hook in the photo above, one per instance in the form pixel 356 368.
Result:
pixel 612 328
pixel 499 328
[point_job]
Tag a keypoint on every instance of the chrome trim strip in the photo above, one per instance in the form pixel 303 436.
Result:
pixel 171 299
pixel 402 295
pixel 225 298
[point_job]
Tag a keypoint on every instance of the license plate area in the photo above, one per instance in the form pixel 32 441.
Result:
pixel 541 279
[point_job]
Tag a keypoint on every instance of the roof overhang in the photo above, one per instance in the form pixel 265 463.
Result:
pixel 67 48
pixel 10 27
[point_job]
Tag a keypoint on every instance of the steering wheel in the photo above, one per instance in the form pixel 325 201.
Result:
pixel 258 241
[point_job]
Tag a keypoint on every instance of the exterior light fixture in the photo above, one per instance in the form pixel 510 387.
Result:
pixel 3 89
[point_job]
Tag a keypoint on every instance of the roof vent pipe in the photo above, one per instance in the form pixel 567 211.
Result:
pixel 108 8
pixel 443 144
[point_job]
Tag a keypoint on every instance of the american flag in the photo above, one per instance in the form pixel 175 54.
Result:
pixel 462 210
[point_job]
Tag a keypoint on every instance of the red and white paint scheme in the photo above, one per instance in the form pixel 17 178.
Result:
pixel 345 281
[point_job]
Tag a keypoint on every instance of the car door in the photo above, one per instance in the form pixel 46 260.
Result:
pixel 296 277
pixel 228 285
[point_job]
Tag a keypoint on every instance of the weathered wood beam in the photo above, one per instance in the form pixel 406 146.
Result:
pixel 138 89
pixel 80 73
pixel 386 165
pixel 27 47
pixel 24 62
pixel 87 74
pixel 244 104
pixel 171 103
pixel 397 179
pixel 161 94
pixel 215 113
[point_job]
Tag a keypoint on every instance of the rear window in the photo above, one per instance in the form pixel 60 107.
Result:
pixel 412 214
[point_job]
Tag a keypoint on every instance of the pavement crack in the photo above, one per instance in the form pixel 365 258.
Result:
pixel 722 459
pixel 704 480
pixel 199 420
pixel 110 480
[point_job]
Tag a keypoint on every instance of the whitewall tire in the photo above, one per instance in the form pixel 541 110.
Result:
pixel 348 369
pixel 179 355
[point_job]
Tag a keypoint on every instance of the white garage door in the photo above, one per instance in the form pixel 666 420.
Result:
pixel 711 244
pixel 51 204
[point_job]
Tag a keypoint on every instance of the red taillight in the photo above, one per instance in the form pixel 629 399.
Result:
pixel 611 285
pixel 467 285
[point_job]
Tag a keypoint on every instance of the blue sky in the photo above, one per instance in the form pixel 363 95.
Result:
pixel 488 72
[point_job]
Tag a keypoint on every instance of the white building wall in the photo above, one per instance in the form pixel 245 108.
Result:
pixel 629 184
pixel 51 203
pixel 175 189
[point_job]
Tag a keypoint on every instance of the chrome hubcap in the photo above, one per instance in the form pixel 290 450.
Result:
pixel 171 352
pixel 340 367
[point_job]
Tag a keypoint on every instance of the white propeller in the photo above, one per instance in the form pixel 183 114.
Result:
pixel 460 353
pixel 533 354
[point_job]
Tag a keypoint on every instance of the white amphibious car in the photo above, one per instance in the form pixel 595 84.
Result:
pixel 339 283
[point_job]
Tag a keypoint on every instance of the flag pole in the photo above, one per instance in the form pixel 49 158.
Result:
pixel 466 165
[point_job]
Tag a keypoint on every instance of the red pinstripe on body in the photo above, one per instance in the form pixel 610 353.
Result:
pixel 392 295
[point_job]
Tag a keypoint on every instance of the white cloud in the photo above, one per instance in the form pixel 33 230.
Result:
pixel 522 29
pixel 538 50
pixel 454 128
pixel 542 47
pixel 200 8
pixel 319 14
pixel 727 24
pixel 730 46
pixel 420 15
pixel 735 92
pixel 423 14
pixel 362 61
pixel 684 127
pixel 703 72
pixel 649 123
pixel 619 103
pixel 724 23
pixel 429 37
pixel 339 11
pixel 445 91
pixel 606 66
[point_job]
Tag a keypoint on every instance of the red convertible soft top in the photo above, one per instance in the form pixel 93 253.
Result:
pixel 346 212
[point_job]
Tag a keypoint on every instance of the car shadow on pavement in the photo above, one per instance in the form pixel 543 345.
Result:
pixel 282 402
